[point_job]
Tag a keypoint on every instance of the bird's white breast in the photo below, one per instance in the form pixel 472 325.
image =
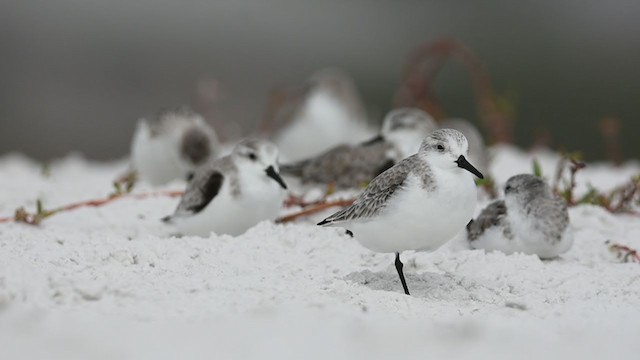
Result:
pixel 419 219
pixel 156 159
pixel 529 239
pixel 323 123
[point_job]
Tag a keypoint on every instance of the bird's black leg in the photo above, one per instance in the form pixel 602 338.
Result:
pixel 401 274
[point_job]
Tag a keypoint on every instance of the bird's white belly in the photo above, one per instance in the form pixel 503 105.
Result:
pixel 420 220
pixel 530 240
pixel 322 124
pixel 157 160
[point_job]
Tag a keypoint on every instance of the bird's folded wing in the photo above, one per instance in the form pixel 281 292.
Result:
pixel 201 190
pixel 491 216
pixel 375 196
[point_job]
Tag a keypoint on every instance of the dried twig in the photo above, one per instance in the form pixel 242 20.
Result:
pixel 315 209
pixel 575 165
pixel 294 200
pixel 420 73
pixel 21 215
pixel 125 183
pixel 610 129
pixel 489 186
pixel 619 200
pixel 623 252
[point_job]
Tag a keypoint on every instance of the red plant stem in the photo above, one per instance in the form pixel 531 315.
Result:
pixel 626 250
pixel 102 202
pixel 625 198
pixel 315 209
pixel 420 75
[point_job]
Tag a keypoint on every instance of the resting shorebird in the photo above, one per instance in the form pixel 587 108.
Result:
pixel 330 114
pixel 171 145
pixel 233 193
pixel 531 219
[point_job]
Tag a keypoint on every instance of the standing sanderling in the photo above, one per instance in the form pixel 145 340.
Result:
pixel 171 145
pixel 233 193
pixel 330 114
pixel 531 219
pixel 354 165
pixel 418 204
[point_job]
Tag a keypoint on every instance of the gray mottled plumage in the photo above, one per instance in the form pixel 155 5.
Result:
pixel 493 215
pixel 477 149
pixel 442 136
pixel 382 188
pixel 550 215
pixel 345 165
pixel 386 185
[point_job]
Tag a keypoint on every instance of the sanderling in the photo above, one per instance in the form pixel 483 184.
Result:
pixel 171 145
pixel 330 114
pixel 349 166
pixel 418 204
pixel 231 194
pixel 531 219
pixel 477 149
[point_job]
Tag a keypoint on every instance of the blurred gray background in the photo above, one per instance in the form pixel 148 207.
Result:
pixel 76 75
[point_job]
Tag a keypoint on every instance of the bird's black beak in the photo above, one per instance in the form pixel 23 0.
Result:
pixel 271 172
pixel 463 163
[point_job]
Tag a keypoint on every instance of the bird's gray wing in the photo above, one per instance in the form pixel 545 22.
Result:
pixel 345 165
pixel 200 191
pixel 315 169
pixel 491 216
pixel 376 195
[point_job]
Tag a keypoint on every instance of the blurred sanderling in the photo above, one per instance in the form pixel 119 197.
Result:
pixel 329 114
pixel 171 145
pixel 354 165
pixel 418 204
pixel 531 219
pixel 233 193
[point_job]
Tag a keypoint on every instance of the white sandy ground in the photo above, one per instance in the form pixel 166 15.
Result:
pixel 111 283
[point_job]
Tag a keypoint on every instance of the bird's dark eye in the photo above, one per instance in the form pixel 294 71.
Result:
pixel 507 188
pixel 440 148
pixel 253 156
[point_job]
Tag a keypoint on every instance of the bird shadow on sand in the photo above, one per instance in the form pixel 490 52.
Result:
pixel 426 285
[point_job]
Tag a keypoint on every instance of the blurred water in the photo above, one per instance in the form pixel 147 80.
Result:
pixel 77 74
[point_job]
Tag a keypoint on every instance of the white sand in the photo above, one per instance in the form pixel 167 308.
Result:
pixel 110 282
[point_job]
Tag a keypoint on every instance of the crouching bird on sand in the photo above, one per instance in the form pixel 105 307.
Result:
pixel 233 193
